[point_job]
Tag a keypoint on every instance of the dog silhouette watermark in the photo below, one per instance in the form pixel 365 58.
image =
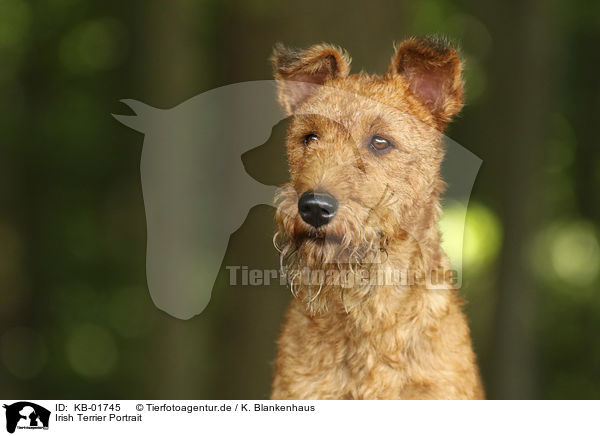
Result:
pixel 197 191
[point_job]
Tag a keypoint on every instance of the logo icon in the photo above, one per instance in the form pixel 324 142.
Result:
pixel 26 415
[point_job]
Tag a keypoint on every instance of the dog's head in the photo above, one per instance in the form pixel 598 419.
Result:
pixel 364 151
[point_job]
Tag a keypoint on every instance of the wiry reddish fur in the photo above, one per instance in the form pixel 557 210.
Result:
pixel 370 341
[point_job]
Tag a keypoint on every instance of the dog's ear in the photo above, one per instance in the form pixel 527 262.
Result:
pixel 433 70
pixel 299 73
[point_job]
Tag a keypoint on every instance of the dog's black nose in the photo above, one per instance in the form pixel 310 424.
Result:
pixel 317 208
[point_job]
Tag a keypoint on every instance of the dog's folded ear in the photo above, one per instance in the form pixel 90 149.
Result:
pixel 299 73
pixel 433 70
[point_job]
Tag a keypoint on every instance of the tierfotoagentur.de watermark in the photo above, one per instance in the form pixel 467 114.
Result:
pixel 343 277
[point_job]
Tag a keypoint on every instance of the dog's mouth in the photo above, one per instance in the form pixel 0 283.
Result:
pixel 319 237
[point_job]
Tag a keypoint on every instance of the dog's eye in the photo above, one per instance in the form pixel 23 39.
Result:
pixel 311 137
pixel 379 144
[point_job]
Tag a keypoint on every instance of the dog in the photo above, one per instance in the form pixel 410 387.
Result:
pixel 363 202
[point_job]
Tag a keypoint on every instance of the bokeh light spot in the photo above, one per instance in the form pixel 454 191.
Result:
pixel 482 235
pixel 91 350
pixel 566 254
pixel 93 46
pixel 575 254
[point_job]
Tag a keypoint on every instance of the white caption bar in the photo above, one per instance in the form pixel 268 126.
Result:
pixel 366 418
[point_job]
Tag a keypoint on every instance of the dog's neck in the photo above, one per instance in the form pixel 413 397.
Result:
pixel 420 287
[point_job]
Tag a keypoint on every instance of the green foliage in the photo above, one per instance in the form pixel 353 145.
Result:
pixel 76 319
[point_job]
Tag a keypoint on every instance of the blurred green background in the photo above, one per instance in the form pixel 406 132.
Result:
pixel 76 319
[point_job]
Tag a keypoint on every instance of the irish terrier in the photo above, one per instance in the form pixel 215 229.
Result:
pixel 362 204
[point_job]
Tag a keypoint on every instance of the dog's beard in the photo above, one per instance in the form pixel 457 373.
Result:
pixel 323 266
